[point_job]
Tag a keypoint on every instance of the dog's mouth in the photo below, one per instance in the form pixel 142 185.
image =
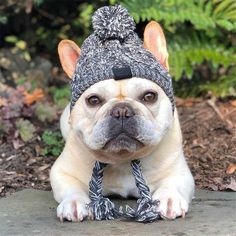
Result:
pixel 122 143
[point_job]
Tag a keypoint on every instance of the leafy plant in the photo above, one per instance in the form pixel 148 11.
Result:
pixel 46 112
pixel 54 143
pixel 61 96
pixel 26 129
pixel 19 44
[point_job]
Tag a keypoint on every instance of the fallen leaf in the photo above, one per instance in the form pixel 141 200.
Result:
pixel 3 102
pixel 188 102
pixel 217 180
pixel 31 161
pixel 233 103
pixel 26 129
pixel 44 167
pixel 34 97
pixel 231 169
pixel 232 184
pixel 213 187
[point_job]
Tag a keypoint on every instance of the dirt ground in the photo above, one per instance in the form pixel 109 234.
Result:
pixel 209 130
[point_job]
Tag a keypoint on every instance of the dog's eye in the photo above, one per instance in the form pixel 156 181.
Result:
pixel 94 100
pixel 149 97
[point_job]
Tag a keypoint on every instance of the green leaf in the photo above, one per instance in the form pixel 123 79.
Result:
pixel 26 129
pixel 54 142
pixel 3 20
pixel 223 5
pixel 11 39
pixel 225 24
pixel 45 112
pixel 21 44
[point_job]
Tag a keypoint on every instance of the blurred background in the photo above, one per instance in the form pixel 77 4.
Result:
pixel 201 42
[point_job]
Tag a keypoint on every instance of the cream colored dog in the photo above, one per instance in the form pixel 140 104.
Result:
pixel 154 137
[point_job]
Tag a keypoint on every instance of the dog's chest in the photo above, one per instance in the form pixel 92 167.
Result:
pixel 118 180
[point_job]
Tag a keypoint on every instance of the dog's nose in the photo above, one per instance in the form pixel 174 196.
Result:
pixel 122 111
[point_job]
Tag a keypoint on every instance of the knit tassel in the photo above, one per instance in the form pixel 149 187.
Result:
pixel 100 208
pixel 146 210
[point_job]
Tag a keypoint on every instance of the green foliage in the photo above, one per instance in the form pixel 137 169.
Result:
pixel 204 15
pixel 223 85
pixel 19 44
pixel 25 129
pixel 48 22
pixel 61 96
pixel 54 142
pixel 46 112
pixel 198 33
pixel 3 20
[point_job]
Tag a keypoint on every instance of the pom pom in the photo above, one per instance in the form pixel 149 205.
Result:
pixel 112 22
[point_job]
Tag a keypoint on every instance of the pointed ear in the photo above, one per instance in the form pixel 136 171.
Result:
pixel 69 53
pixel 155 42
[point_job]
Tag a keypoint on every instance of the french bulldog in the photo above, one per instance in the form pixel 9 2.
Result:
pixel 116 121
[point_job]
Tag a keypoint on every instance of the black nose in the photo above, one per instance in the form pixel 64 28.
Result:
pixel 122 110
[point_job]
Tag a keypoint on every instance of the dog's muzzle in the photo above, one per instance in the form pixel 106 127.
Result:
pixel 122 129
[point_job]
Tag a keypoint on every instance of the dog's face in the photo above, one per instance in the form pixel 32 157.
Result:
pixel 125 118
pixel 122 116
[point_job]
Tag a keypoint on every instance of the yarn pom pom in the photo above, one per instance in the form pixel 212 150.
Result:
pixel 112 22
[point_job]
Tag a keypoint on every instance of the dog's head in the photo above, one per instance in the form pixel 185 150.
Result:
pixel 121 119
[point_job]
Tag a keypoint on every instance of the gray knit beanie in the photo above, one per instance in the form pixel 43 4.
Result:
pixel 114 51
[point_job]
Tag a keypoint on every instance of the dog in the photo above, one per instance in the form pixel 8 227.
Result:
pixel 150 131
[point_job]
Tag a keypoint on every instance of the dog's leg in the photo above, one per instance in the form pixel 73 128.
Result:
pixel 71 195
pixel 64 122
pixel 175 192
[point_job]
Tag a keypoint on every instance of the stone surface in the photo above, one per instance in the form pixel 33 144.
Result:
pixel 32 212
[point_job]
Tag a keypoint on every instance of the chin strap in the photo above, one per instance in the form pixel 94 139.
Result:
pixel 101 208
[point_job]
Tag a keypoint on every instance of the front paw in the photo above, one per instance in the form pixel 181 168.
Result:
pixel 172 204
pixel 72 209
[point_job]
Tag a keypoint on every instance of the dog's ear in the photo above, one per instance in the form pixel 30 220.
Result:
pixel 69 53
pixel 155 42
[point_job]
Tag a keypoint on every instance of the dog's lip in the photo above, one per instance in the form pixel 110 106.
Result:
pixel 120 135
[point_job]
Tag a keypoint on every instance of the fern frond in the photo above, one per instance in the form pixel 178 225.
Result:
pixel 223 86
pixel 203 15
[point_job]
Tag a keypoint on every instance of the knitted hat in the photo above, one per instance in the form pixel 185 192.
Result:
pixel 114 51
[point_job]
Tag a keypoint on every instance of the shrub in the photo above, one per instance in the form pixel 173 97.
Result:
pixel 54 143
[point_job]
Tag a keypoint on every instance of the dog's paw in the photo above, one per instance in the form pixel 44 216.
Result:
pixel 72 209
pixel 172 204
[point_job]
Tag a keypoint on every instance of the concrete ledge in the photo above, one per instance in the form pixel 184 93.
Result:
pixel 33 212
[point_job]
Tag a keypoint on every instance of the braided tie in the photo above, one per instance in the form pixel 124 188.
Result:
pixel 146 210
pixel 103 209
pixel 100 207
